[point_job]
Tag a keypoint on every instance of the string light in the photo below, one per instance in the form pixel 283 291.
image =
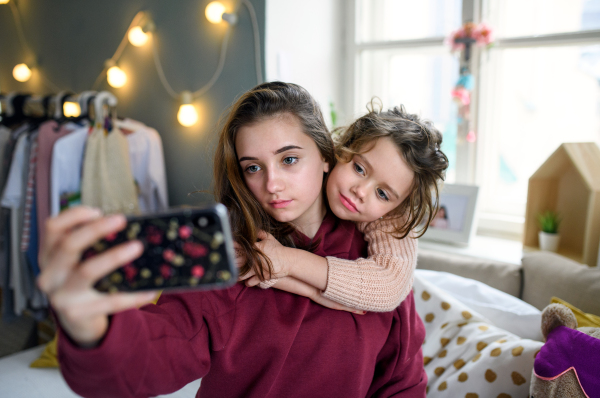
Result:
pixel 115 75
pixel 139 35
pixel 71 109
pixel 187 114
pixel 214 11
pixel 21 72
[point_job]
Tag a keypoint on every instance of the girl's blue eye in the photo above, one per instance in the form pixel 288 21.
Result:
pixel 290 160
pixel 252 169
pixel 382 195
pixel 358 169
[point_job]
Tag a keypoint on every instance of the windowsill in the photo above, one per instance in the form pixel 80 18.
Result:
pixel 492 248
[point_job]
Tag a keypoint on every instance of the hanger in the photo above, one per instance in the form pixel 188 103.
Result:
pixel 84 101
pixel 102 99
pixel 46 102
pixel 14 109
pixel 59 101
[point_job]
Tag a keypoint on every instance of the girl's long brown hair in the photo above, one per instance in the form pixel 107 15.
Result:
pixel 419 143
pixel 247 216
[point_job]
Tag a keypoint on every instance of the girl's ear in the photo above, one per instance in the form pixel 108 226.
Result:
pixel 325 167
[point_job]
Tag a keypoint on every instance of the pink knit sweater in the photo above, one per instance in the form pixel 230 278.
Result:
pixel 377 283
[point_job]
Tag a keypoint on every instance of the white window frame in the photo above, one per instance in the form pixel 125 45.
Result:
pixel 494 223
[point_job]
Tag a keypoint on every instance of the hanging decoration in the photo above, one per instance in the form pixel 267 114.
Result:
pixel 462 41
pixel 469 34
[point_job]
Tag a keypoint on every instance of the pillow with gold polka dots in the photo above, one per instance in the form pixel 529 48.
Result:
pixel 465 355
pixel 502 309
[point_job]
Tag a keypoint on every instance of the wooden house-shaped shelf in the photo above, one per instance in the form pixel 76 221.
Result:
pixel 568 182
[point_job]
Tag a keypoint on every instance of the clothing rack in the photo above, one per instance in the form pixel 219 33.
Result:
pixel 18 107
pixel 50 162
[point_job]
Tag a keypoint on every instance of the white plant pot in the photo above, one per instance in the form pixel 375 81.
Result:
pixel 549 242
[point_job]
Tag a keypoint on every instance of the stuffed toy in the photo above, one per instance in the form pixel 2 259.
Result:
pixel 568 365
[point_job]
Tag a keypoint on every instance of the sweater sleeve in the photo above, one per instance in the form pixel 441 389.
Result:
pixel 155 350
pixel 268 283
pixel 380 282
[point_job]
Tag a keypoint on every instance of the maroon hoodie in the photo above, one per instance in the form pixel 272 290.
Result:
pixel 249 342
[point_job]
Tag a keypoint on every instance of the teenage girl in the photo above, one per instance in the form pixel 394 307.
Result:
pixel 386 180
pixel 241 341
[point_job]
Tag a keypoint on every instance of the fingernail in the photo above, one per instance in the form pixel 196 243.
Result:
pixel 134 247
pixel 96 212
pixel 116 219
pixel 360 312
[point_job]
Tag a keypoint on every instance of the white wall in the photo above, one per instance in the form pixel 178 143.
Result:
pixel 304 45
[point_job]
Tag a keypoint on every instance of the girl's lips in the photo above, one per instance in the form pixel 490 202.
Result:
pixel 280 204
pixel 348 204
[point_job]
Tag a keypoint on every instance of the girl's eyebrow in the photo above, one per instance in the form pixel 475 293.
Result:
pixel 286 148
pixel 247 158
pixel 280 150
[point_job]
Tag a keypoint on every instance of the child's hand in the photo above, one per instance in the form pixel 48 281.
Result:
pixel 68 282
pixel 277 253
pixel 240 257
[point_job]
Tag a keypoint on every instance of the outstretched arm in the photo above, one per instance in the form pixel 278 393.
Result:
pixel 107 347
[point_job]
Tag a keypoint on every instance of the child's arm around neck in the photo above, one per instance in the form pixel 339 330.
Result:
pixel 377 283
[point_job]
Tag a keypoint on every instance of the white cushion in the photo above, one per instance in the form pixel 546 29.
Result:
pixel 501 309
pixel 467 356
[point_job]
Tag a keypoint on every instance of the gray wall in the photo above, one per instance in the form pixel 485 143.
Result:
pixel 73 38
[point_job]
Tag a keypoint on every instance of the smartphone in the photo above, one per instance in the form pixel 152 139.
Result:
pixel 186 248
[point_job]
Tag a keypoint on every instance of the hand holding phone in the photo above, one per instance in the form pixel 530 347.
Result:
pixel 183 249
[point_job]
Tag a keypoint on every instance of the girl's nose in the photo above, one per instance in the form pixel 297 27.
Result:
pixel 274 182
pixel 359 191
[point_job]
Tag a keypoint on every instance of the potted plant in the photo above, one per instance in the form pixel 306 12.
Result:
pixel 549 237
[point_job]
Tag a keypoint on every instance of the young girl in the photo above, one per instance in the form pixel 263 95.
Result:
pixel 241 341
pixel 389 164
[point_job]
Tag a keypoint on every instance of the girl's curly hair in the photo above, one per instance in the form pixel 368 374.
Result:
pixel 419 143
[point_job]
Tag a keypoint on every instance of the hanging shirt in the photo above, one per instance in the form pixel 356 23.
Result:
pixel 9 149
pixel 4 138
pixel 11 198
pixel 29 193
pixel 65 175
pixel 107 182
pixel 147 166
pixel 5 216
pixel 49 133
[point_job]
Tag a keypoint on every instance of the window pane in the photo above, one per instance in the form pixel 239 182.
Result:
pixel 511 18
pixel 382 20
pixel 421 81
pixel 534 100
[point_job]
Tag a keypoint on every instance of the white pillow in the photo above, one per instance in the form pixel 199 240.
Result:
pixel 501 309
pixel 464 355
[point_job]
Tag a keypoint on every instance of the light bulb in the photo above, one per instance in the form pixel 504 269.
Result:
pixel 187 115
pixel 21 72
pixel 214 11
pixel 4 1
pixel 71 109
pixel 116 77
pixel 137 36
